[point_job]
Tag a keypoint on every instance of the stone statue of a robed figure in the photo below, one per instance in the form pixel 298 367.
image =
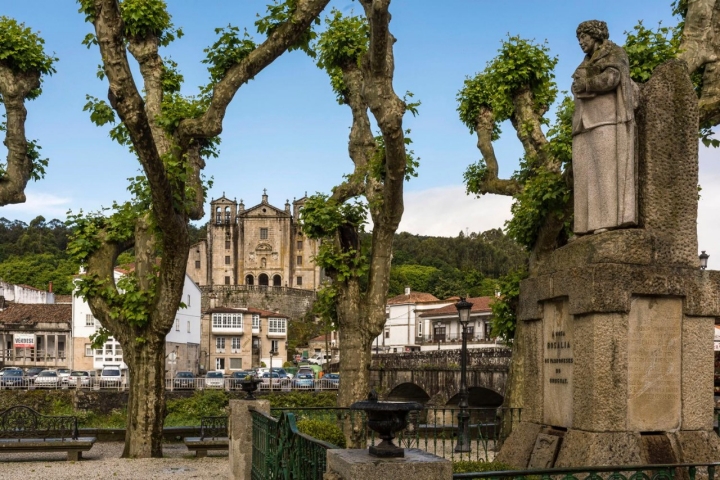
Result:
pixel 604 154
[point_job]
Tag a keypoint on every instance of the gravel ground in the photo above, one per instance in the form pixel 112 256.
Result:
pixel 102 461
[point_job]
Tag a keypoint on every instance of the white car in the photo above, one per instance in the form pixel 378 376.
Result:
pixel 215 380
pixel 110 377
pixel 81 378
pixel 47 379
pixel 63 374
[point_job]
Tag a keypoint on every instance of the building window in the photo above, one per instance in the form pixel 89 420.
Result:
pixel 227 280
pixel 227 215
pixel 227 320
pixel 219 364
pixel 227 244
pixel 277 325
pixel 263 234
pixel 298 281
pixel 235 343
pixel 299 244
pixel 177 324
pixel 256 321
pixel 88 350
pixel 299 260
pixel 197 263
pixel 236 364
pixel 188 326
pixel 219 344
pixel 387 333
pixel 188 301
pixel 469 332
pixel 419 325
pixel 227 259
pixel 89 321
pixel 274 345
pixel 218 215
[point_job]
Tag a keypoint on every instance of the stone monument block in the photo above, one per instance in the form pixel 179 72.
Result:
pixel 545 451
pixel 654 356
pixel 697 372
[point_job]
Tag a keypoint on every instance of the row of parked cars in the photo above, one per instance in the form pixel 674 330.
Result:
pixel 271 378
pixel 37 377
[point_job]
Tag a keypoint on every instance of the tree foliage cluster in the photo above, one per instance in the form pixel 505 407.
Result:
pixel 447 266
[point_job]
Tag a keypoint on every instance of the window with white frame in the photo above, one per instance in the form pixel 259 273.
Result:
pixel 235 344
pixel 88 350
pixel 274 345
pixel 177 324
pixel 227 320
pixel 219 364
pixel 188 326
pixel 277 325
pixel 188 301
pixel 220 344
pixel 256 321
pixel 89 320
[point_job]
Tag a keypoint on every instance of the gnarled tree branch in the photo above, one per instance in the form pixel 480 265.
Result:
pixel 491 183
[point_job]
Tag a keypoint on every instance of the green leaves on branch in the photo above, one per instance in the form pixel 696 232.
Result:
pixel 227 51
pixel 504 307
pixel 321 217
pixel 278 14
pixel 377 162
pixel 144 18
pixel 520 64
pixel 343 43
pixel 647 48
pixel 22 51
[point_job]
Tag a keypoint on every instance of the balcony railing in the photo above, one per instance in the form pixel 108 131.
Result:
pixel 442 339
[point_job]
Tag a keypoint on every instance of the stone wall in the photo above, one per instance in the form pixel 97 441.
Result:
pixel 489 358
pixel 293 302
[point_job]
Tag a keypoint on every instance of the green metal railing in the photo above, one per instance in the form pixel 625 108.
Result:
pixel 280 451
pixel 689 471
pixel 433 429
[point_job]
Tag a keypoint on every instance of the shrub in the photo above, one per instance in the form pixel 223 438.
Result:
pixel 302 399
pixel 466 466
pixel 325 431
pixel 189 411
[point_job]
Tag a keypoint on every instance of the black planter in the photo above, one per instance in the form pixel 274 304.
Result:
pixel 386 418
pixel 250 386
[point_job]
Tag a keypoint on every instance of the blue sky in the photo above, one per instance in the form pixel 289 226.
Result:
pixel 284 130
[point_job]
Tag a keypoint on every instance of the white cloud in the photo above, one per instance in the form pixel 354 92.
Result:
pixel 445 211
pixel 46 204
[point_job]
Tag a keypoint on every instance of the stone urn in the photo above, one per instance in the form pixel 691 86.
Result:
pixel 249 385
pixel 386 418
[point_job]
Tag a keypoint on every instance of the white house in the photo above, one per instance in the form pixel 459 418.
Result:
pixel 182 345
pixel 445 331
pixel 403 332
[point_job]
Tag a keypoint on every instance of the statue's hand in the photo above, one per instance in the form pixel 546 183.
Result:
pixel 579 86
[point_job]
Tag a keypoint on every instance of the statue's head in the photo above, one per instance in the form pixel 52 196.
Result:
pixel 591 34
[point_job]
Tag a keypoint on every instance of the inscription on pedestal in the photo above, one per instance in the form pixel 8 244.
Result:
pixel 654 350
pixel 558 364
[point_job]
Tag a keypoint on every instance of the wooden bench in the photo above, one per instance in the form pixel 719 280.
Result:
pixel 22 429
pixel 213 436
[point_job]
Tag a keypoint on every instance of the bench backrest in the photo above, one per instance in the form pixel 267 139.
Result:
pixel 213 427
pixel 24 422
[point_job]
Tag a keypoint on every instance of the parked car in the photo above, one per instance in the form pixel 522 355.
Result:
pixel 33 372
pixel 47 379
pixel 81 378
pixel 214 380
pixel 63 374
pixel 304 381
pixel 110 377
pixel 314 360
pixel 330 380
pixel 281 372
pixel 13 377
pixel 236 378
pixel 184 380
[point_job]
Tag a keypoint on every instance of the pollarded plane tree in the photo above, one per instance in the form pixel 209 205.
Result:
pixel 171 135
pixel 23 64
pixel 357 53
pixel 518 85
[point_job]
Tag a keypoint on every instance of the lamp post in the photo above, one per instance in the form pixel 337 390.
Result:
pixel 437 329
pixel 463 443
pixel 703 260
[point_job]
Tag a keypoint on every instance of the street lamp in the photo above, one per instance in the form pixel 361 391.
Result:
pixel 463 443
pixel 703 260
pixel 437 329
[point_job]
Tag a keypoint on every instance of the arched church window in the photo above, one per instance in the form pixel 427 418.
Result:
pixel 263 280
pixel 227 215
pixel 277 281
pixel 249 280
pixel 218 215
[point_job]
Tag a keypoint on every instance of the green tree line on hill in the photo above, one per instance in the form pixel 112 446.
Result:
pixel 34 254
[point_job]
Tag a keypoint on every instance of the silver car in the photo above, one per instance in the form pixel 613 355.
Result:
pixel 81 378
pixel 47 379
pixel 214 380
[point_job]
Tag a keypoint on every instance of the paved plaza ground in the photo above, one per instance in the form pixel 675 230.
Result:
pixel 103 461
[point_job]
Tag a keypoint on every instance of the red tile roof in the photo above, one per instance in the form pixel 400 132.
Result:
pixel 413 297
pixel 33 313
pixel 480 305
pixel 262 313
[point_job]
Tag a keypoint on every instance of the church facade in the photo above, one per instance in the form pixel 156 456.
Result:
pixel 258 246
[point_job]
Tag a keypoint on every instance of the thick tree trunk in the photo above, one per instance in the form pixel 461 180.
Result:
pixel 146 404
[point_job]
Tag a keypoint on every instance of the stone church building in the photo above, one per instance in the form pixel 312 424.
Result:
pixel 258 246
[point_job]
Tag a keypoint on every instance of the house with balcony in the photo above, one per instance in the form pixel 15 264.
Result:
pixel 240 338
pixel 35 334
pixel 182 344
pixel 403 332
pixel 444 331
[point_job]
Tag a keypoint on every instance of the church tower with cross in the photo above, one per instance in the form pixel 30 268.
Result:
pixel 257 246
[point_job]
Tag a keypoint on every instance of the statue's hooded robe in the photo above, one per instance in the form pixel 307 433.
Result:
pixel 604 149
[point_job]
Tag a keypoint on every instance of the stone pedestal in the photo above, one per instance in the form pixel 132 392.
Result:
pixel 240 430
pixel 618 326
pixel 357 464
